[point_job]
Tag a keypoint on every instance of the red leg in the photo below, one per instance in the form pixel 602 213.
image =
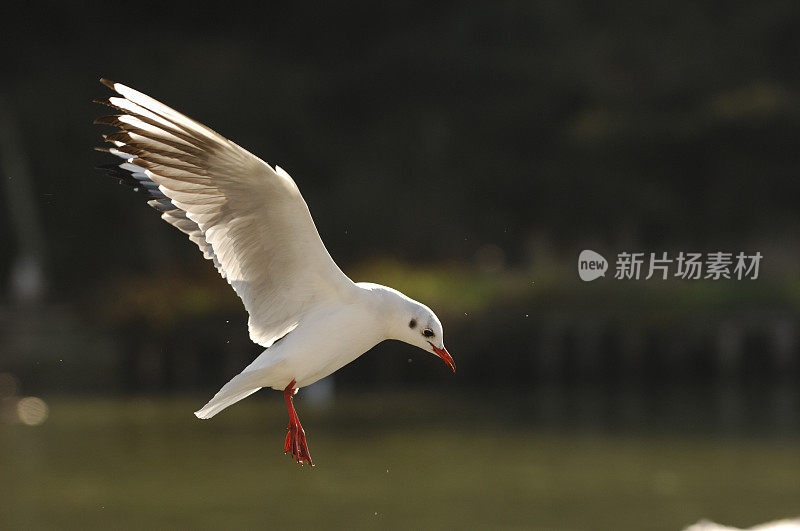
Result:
pixel 296 438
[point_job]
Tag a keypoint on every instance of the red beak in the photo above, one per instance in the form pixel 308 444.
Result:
pixel 446 357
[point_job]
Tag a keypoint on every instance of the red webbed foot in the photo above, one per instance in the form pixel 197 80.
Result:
pixel 295 443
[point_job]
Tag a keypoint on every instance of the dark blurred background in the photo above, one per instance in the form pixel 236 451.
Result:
pixel 465 154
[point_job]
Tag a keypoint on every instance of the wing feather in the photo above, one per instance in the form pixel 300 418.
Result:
pixel 245 216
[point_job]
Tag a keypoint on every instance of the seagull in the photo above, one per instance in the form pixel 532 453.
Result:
pixel 251 221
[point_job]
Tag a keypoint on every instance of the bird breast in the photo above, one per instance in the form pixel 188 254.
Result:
pixel 324 341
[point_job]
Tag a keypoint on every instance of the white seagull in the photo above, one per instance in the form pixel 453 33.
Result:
pixel 252 222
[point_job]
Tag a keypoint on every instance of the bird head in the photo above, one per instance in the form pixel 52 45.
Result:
pixel 423 329
pixel 408 321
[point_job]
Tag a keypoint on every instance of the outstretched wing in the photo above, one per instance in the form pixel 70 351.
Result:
pixel 247 217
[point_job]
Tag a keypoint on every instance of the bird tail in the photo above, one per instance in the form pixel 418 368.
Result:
pixel 241 386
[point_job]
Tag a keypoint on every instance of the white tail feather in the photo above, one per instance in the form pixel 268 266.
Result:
pixel 241 386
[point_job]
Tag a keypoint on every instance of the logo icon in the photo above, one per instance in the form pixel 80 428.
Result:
pixel 591 265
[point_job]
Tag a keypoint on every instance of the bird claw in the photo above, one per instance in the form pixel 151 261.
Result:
pixel 295 442
pixel 296 445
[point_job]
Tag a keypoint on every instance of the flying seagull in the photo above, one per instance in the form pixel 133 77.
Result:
pixel 251 221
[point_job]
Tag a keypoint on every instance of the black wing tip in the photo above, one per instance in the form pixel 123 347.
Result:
pixel 111 119
pixel 117 136
pixel 125 178
pixel 104 101
pixel 107 82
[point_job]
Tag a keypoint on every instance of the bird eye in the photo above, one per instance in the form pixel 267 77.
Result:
pixel 427 332
pixel 412 323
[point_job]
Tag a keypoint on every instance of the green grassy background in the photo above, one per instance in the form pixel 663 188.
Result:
pixel 389 460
